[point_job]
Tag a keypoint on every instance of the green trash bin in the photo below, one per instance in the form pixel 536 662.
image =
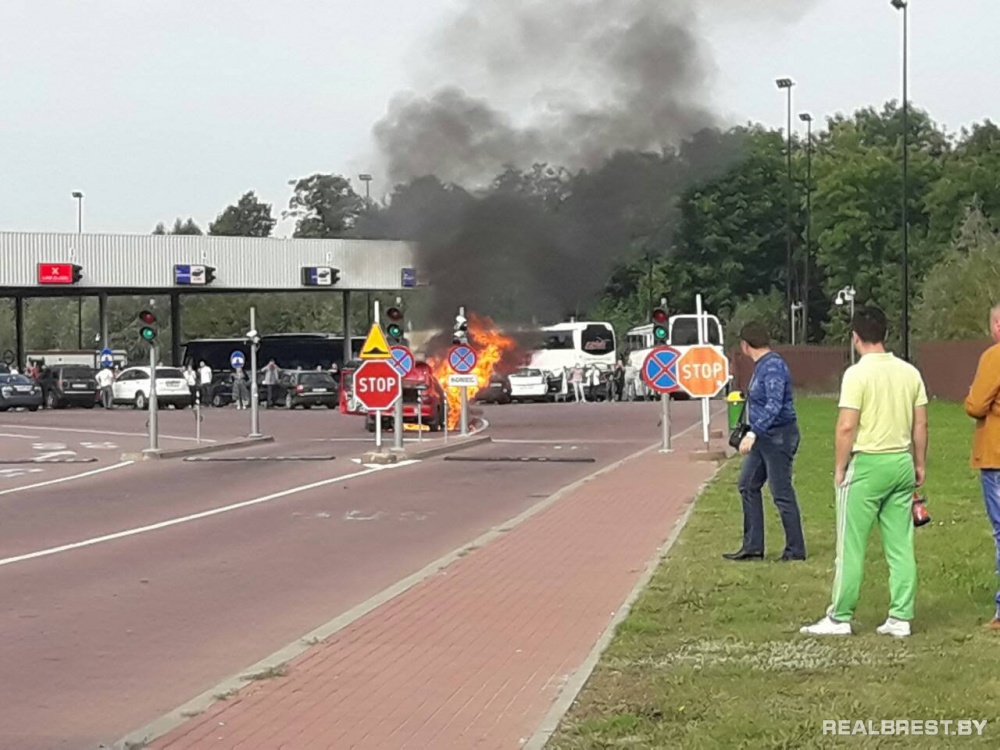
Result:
pixel 735 402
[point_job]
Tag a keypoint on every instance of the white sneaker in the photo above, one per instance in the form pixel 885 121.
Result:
pixel 827 626
pixel 894 627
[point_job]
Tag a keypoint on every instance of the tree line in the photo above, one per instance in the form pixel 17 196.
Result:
pixel 709 216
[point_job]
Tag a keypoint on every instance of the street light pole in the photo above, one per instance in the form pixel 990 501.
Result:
pixel 808 120
pixel 904 6
pixel 79 300
pixel 787 84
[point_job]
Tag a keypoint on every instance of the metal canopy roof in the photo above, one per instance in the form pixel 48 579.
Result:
pixel 139 263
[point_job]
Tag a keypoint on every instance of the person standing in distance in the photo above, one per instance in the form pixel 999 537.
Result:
pixel 983 405
pixel 769 449
pixel 881 457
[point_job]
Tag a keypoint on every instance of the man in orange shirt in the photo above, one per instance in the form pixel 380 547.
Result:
pixel 983 404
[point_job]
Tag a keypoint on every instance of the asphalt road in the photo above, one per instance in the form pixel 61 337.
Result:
pixel 128 588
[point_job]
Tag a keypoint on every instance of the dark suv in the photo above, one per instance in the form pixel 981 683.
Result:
pixel 307 388
pixel 69 385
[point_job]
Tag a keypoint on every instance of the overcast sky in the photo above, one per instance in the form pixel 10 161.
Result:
pixel 163 109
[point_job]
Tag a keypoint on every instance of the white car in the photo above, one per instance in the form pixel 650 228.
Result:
pixel 528 384
pixel 132 387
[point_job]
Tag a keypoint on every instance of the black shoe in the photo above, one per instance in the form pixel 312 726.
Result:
pixel 791 558
pixel 743 555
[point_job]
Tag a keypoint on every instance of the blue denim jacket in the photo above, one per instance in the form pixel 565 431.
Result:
pixel 769 399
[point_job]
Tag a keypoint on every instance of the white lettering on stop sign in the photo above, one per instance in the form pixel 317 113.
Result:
pixel 703 370
pixel 375 385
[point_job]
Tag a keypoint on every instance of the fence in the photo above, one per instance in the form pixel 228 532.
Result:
pixel 947 366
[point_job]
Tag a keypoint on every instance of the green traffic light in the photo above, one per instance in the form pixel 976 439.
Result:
pixel 395 331
pixel 660 333
pixel 148 334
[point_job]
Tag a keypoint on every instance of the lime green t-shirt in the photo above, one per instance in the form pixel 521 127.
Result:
pixel 885 390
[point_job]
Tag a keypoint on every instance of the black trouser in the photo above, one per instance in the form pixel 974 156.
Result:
pixel 770 460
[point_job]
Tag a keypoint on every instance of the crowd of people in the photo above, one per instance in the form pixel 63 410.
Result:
pixel 583 383
pixel 879 465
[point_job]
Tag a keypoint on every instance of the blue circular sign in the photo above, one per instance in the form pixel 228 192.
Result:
pixel 237 359
pixel 402 360
pixel 659 371
pixel 462 359
pixel 107 358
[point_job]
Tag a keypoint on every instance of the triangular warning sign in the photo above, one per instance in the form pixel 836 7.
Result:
pixel 376 347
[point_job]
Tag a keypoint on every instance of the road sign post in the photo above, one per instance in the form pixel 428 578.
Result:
pixel 254 393
pixel 703 371
pixel 462 359
pixel 659 372
pixel 378 387
pixel 402 362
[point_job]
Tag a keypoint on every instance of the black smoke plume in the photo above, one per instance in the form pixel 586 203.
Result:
pixel 611 91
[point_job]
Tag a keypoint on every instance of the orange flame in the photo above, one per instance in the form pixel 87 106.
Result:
pixel 491 346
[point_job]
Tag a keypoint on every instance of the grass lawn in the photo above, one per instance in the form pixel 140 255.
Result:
pixel 711 657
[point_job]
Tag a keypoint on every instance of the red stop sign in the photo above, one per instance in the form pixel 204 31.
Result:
pixel 377 385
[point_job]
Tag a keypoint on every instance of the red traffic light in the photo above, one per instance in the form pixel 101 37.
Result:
pixel 394 314
pixel 660 315
pixel 147 317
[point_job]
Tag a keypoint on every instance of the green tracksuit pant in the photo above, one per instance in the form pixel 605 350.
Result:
pixel 877 487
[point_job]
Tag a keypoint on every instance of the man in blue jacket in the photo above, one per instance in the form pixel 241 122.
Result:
pixel 769 449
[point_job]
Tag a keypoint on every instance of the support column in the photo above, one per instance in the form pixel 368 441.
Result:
pixel 102 322
pixel 175 328
pixel 19 332
pixel 348 334
pixel 371 311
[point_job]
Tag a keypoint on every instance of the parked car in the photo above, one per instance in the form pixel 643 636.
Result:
pixel 528 384
pixel 497 392
pixel 307 388
pixel 19 391
pixel 132 387
pixel 423 401
pixel 69 385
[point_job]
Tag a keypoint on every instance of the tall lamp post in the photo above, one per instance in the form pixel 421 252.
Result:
pixel 79 300
pixel 847 295
pixel 787 84
pixel 903 6
pixel 804 296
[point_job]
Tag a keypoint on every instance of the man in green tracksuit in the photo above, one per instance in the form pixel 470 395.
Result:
pixel 881 453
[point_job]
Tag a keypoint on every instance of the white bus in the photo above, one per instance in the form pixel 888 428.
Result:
pixel 682 332
pixel 566 345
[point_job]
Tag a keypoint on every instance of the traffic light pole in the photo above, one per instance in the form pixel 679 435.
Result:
pixel 154 432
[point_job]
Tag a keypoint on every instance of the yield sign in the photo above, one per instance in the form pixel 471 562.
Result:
pixel 462 359
pixel 659 370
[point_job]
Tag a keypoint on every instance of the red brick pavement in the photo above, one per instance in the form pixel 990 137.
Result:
pixel 476 655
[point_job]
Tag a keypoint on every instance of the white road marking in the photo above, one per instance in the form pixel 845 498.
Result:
pixel 194 516
pixel 105 446
pixel 71 477
pixel 109 432
pixel 12 473
pixel 22 437
pixel 49 446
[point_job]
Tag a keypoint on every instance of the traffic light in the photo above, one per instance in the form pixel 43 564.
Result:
pixel 461 335
pixel 209 274
pixel 147 331
pixel 77 273
pixel 394 328
pixel 660 331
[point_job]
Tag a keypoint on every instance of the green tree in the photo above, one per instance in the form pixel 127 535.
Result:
pixel 767 309
pixel 324 206
pixel 964 285
pixel 179 227
pixel 250 217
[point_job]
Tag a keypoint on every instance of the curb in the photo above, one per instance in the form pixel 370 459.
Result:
pixel 452 447
pixel 200 450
